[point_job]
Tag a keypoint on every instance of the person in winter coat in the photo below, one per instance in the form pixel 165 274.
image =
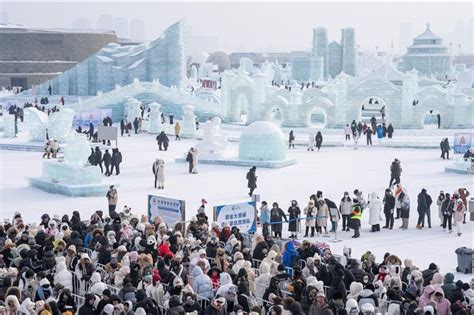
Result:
pixel 443 306
pixel 345 208
pixel 201 284
pixel 159 172
pixel 294 213
pixel 163 141
pixel 463 194
pixel 289 257
pixel 447 208
pixel 107 160
pixel 368 134
pixel 311 142
pixel 265 218
pixel 319 305
pixel 375 208
pixel 319 140
pixel 348 132
pixel 439 202
pixel 177 131
pixel 262 281
pixel 291 140
pixel 423 208
pixel 322 216
pixel 311 212
pixel 252 180
pixel 404 202
pixel 390 131
pixel 367 295
pixel 448 286
pixel 395 172
pixel 116 161
pixel 388 208
pixel 192 159
pixel 63 276
pixel 425 298
pixel 112 198
pixel 356 216
pixel 217 306
pixel 276 218
pixel 459 210
pixel 334 214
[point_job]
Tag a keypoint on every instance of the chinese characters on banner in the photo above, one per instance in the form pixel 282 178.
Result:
pixel 241 215
pixel 170 210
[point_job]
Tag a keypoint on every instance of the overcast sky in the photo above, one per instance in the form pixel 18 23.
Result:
pixel 258 26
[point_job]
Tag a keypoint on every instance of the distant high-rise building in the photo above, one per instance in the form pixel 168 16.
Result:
pixel 428 55
pixel 81 23
pixel 406 35
pixel 137 30
pixel 320 47
pixel 460 34
pixel 470 35
pixel 349 51
pixel 335 59
pixel 120 26
pixel 105 22
pixel 4 17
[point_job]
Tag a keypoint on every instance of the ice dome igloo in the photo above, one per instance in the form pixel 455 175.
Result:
pixel 263 142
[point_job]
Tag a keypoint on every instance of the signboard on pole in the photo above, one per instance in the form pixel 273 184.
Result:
pixel 241 215
pixel 170 210
pixel 463 141
pixel 107 133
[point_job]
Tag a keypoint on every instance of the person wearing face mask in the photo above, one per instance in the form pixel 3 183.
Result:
pixel 294 213
pixel 190 303
pixel 443 305
pixel 44 290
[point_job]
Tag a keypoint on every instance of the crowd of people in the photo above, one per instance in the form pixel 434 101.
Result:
pixel 124 263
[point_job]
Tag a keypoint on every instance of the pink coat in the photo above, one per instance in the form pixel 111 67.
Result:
pixel 443 306
pixel 425 298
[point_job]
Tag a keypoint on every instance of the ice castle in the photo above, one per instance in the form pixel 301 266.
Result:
pixel 163 59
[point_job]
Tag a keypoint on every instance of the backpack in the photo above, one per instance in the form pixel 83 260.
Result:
pixel 251 301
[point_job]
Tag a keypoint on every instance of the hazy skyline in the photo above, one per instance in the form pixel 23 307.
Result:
pixel 261 26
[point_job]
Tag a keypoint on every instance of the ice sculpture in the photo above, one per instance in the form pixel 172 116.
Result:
pixel 59 125
pixel 214 144
pixel 8 125
pixel 133 108
pixel 189 122
pixel 155 125
pixel 37 122
pixel 73 176
pixel 163 59
pixel 77 152
pixel 262 141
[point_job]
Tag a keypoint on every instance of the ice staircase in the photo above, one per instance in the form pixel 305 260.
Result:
pixel 368 113
pixel 172 100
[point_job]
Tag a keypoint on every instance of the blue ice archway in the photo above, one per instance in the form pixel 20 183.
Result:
pixel 317 118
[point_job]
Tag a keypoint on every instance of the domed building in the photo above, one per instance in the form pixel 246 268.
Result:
pixel 428 55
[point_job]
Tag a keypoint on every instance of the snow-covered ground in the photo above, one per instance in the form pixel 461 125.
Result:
pixel 333 170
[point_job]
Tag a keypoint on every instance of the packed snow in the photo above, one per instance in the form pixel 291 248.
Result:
pixel 332 170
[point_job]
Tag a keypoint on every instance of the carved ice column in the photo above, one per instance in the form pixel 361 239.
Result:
pixel 8 125
pixel 155 125
pixel 189 122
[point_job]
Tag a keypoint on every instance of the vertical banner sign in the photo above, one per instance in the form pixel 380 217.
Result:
pixel 170 210
pixel 241 215
pixel 462 142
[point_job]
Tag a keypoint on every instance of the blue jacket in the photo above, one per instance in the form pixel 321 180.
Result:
pixel 265 215
pixel 202 284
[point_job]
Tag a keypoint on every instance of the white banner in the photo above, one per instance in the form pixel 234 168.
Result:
pixel 170 210
pixel 241 215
